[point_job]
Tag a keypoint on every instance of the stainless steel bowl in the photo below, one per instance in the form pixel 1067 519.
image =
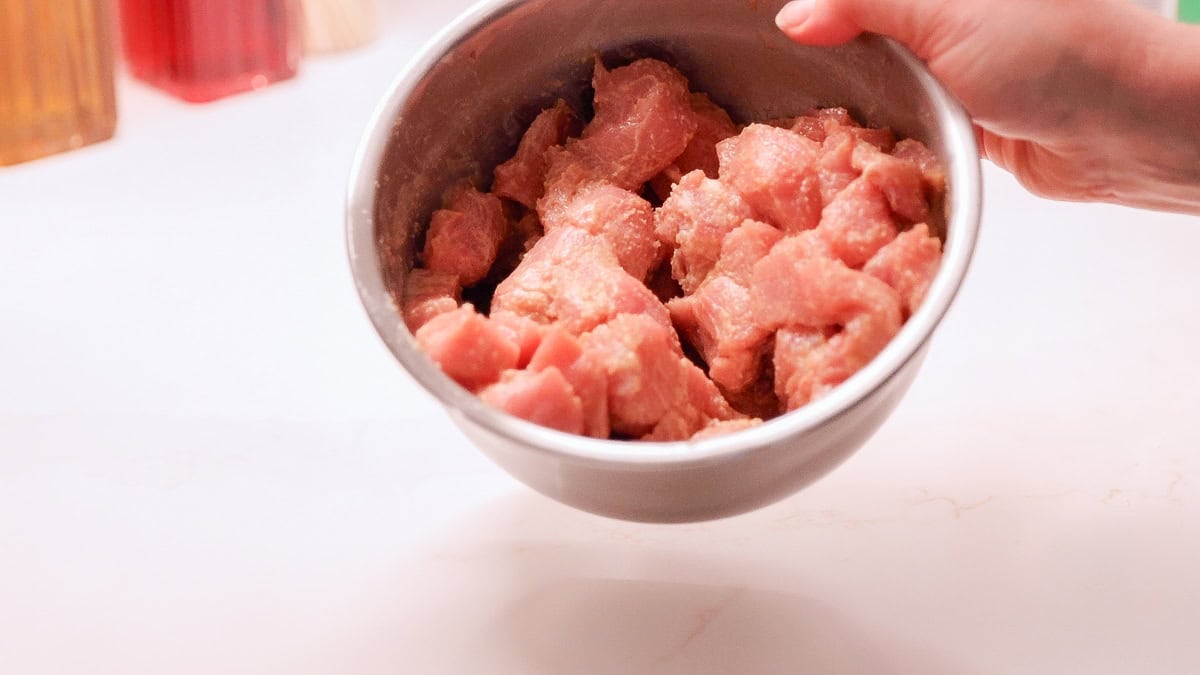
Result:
pixel 459 108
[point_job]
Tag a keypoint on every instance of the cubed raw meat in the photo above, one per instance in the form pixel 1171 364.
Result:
pixel 816 292
pixel 621 218
pixel 857 223
pixel 695 220
pixel 718 320
pixel 643 122
pixel 775 170
pixel 543 397
pixel 915 152
pixel 560 350
pixel 650 380
pixel 835 168
pixel 427 294
pixel 713 125
pixel 908 264
pixel 784 253
pixel 524 332
pixel 901 182
pixel 471 350
pixel 522 178
pixel 572 278
pixel 464 238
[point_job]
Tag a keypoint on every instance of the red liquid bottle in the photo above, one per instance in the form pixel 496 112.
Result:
pixel 202 50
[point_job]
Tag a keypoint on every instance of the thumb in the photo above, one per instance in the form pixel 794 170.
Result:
pixel 833 22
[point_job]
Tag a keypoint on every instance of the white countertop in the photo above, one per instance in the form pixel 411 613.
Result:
pixel 210 464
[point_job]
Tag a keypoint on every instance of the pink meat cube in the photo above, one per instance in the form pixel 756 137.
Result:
pixel 643 122
pixel 908 264
pixel 427 294
pixel 701 405
pixel 621 218
pixel 717 318
pixel 915 152
pixel 695 220
pixel 810 362
pixel 901 182
pixel 471 350
pixel 811 295
pixel 524 332
pixel 834 118
pixel 798 360
pixel 713 125
pixel 745 246
pixel 838 120
pixel 583 371
pixel 816 292
pixel 883 139
pixel 522 178
pixel 857 223
pixel 642 361
pixel 775 171
pixel 810 126
pixel 543 397
pixel 650 383
pixel 464 238
pixel 835 167
pixel 572 277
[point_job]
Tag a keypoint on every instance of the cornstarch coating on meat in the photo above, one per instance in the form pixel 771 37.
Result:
pixel 782 258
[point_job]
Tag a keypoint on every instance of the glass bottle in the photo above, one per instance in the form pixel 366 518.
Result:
pixel 202 50
pixel 56 76
pixel 337 25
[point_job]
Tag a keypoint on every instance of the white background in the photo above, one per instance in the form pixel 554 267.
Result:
pixel 210 464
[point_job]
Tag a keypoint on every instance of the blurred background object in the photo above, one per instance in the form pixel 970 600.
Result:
pixel 338 25
pixel 1189 10
pixel 56 77
pixel 202 50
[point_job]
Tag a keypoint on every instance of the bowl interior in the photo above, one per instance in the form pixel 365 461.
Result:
pixel 461 106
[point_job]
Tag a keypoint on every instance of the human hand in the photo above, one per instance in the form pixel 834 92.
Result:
pixel 1085 100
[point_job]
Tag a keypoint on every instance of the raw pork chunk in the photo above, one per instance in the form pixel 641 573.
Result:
pixel 464 238
pixel 713 125
pixel 427 294
pixel 908 264
pixel 643 122
pixel 694 221
pixel 812 295
pixel 573 279
pixel 652 387
pixel 775 170
pixel 624 220
pixel 523 178
pixel 718 318
pixel 468 347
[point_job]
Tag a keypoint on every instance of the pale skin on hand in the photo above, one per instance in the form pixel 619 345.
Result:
pixel 1082 100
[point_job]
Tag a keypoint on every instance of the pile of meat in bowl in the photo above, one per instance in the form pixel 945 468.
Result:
pixel 661 273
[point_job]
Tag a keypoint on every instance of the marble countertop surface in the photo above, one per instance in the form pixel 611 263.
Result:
pixel 210 464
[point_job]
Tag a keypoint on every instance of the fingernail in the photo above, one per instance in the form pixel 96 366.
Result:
pixel 794 14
